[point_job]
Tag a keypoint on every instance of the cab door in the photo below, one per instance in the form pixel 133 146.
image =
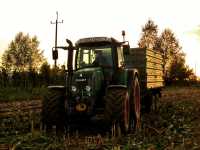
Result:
pixel 121 72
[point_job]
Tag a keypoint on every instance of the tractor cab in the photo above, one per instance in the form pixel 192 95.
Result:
pixel 101 53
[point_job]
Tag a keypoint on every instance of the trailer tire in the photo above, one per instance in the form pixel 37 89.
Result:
pixel 53 111
pixel 117 108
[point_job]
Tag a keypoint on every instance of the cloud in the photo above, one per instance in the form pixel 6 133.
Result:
pixel 195 32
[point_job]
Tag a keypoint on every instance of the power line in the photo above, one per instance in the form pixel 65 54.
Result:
pixel 56 35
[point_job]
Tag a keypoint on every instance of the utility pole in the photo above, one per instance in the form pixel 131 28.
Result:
pixel 56 35
pixel 123 35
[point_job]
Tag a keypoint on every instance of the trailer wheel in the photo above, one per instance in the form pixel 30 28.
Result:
pixel 155 103
pixel 53 111
pixel 117 108
pixel 135 122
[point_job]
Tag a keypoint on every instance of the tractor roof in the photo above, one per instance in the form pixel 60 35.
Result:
pixel 96 41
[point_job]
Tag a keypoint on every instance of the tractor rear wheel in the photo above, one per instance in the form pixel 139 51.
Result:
pixel 117 108
pixel 53 111
pixel 135 119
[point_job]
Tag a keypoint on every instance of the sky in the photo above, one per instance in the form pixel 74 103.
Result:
pixel 86 18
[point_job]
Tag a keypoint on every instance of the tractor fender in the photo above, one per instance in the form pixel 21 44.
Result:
pixel 133 72
pixel 116 87
pixel 57 87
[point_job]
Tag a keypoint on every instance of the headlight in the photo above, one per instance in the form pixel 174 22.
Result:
pixel 74 89
pixel 88 88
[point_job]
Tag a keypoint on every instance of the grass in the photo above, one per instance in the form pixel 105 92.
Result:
pixel 20 94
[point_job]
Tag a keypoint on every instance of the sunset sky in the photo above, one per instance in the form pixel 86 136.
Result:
pixel 85 18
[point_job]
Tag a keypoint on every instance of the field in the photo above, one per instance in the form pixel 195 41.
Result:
pixel 174 126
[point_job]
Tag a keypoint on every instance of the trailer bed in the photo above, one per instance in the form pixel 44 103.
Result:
pixel 149 64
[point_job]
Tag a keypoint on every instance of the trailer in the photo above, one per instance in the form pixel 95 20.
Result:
pixel 149 63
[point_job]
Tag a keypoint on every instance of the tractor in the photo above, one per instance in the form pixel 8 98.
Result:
pixel 100 84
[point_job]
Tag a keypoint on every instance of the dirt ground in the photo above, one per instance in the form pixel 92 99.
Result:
pixel 174 126
pixel 178 119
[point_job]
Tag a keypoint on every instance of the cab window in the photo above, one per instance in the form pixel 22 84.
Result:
pixel 120 57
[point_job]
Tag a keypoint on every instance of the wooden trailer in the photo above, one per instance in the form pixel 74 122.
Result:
pixel 150 66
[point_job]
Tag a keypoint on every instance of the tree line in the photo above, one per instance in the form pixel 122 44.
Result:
pixel 28 79
pixel 23 64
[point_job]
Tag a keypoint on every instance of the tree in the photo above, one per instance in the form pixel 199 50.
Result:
pixel 23 54
pixel 149 35
pixel 45 71
pixel 170 48
pixel 4 77
pixel 178 71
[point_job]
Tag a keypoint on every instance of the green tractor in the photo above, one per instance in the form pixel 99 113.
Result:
pixel 99 85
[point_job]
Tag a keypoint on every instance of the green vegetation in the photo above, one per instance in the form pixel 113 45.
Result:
pixel 20 94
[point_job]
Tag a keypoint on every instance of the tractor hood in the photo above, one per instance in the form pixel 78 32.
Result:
pixel 88 70
pixel 88 76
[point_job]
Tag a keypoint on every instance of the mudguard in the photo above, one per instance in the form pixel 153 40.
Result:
pixel 57 87
pixel 116 86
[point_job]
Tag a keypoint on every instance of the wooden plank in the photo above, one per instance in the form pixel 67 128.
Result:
pixel 154 78
pixel 144 58
pixel 145 52
pixel 150 71
pixel 130 59
pixel 155 84
pixel 154 54
pixel 148 65
pixel 155 60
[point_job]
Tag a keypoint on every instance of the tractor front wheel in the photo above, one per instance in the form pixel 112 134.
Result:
pixel 53 111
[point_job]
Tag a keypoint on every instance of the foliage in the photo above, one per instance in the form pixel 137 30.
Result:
pixel 32 78
pixel 28 85
pixel 4 79
pixel 45 71
pixel 170 48
pixel 149 35
pixel 179 72
pixel 19 94
pixel 23 54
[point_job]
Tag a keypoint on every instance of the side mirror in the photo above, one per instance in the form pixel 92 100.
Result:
pixel 55 54
pixel 126 49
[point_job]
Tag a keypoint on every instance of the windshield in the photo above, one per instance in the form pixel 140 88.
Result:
pixel 94 56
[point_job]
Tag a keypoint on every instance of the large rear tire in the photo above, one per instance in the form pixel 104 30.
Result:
pixel 53 111
pixel 135 101
pixel 117 108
